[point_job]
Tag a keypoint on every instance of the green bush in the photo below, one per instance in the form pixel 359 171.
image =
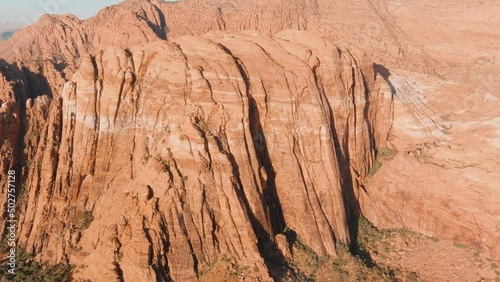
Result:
pixel 376 166
pixel 382 154
pixel 28 269
pixel 386 153
pixel 459 245
pixel 84 221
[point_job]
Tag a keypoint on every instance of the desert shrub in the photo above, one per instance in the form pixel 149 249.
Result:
pixel 459 245
pixel 376 166
pixel 386 153
pixel 28 269
pixel 84 221
pixel 382 154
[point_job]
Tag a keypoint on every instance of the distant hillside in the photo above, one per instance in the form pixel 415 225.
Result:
pixel 6 35
pixel 7 26
pixel 7 29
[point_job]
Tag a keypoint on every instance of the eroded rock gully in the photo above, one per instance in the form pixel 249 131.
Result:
pixel 191 151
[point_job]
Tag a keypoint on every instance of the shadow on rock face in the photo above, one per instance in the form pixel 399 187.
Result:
pixel 385 73
pixel 28 83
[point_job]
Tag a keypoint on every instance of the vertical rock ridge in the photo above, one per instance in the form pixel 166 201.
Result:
pixel 168 159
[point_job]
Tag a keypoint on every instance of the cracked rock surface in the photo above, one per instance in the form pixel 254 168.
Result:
pixel 192 150
pixel 159 141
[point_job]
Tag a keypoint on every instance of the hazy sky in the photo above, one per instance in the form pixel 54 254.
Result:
pixel 28 11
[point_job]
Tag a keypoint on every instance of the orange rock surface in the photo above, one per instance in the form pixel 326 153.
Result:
pixel 155 140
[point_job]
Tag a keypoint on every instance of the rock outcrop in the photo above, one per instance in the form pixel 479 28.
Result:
pixel 360 25
pixel 191 151
pixel 158 141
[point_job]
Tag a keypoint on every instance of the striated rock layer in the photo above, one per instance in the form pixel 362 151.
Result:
pixel 192 151
pixel 214 144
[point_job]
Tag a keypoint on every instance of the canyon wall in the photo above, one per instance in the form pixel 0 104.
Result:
pixel 157 139
pixel 186 152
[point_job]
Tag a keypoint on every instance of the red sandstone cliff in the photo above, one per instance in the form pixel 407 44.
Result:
pixel 207 146
pixel 190 150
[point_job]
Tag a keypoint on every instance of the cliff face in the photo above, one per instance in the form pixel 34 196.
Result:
pixel 368 26
pixel 161 159
pixel 141 158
